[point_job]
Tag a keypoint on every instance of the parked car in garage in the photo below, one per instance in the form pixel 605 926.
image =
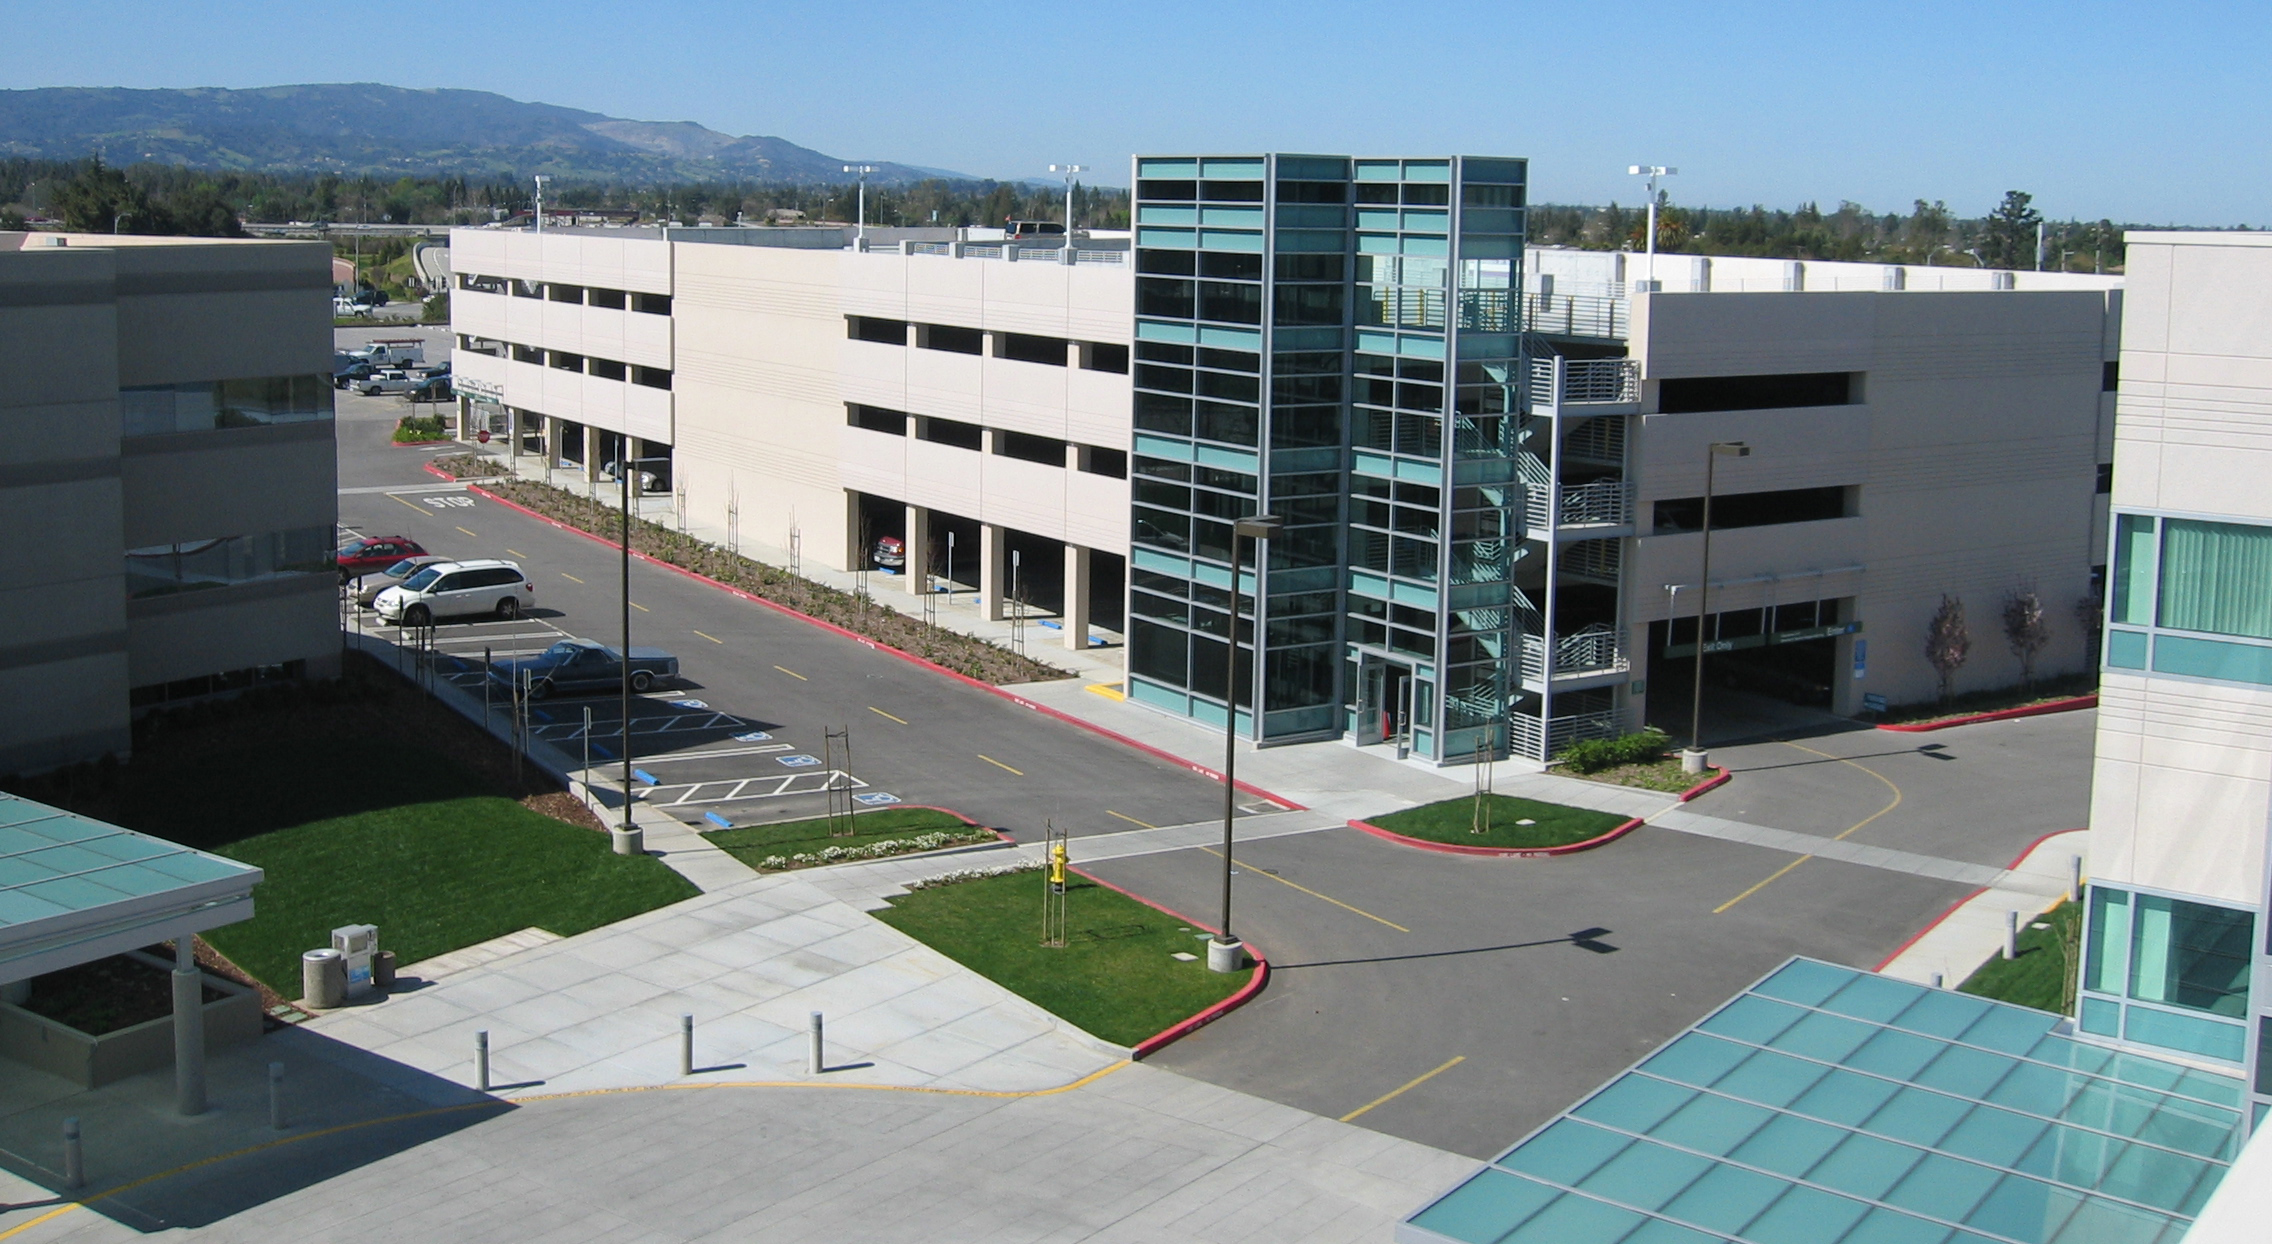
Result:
pixel 890 553
pixel 585 665
pixel 483 587
pixel 368 553
pixel 368 586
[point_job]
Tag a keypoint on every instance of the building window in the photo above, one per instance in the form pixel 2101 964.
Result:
pixel 612 299
pixel 951 338
pixel 2216 577
pixel 1754 509
pixel 1022 445
pixel 1103 356
pixel 564 293
pixel 528 354
pixel 527 289
pixel 605 369
pixel 951 432
pixel 563 361
pixel 215 684
pixel 194 565
pixel 2105 478
pixel 1697 394
pixel 481 284
pixel 881 332
pixel 2110 378
pixel 206 405
pixel 876 419
pixel 652 377
pixel 1025 348
pixel 651 304
pixel 2191 958
pixel 1112 463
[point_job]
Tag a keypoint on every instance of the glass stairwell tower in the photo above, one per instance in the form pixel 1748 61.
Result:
pixel 1337 341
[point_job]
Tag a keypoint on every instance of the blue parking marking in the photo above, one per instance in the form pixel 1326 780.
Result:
pixel 602 749
pixel 798 761
pixel 540 714
pixel 688 704
pixel 717 820
pixel 754 736
pixel 876 797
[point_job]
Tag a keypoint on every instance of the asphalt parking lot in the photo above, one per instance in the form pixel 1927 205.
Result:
pixel 1454 1001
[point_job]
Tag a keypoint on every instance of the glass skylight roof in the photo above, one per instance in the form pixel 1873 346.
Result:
pixel 65 876
pixel 1826 1105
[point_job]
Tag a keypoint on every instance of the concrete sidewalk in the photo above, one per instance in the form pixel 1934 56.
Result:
pixel 1972 933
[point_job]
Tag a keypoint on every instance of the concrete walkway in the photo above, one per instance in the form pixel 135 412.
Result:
pixel 1973 932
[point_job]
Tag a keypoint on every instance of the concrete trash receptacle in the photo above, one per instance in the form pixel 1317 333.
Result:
pixel 323 978
pixel 382 969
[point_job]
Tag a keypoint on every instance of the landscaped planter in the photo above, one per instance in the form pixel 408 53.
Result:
pixel 92 1061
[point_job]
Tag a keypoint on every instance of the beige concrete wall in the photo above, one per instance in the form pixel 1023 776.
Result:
pixel 2183 781
pixel 1975 448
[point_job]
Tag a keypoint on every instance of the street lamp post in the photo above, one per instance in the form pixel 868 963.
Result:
pixel 1652 172
pixel 1225 951
pixel 860 234
pixel 628 839
pixel 1693 758
pixel 1068 172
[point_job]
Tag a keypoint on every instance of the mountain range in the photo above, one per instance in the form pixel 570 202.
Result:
pixel 369 128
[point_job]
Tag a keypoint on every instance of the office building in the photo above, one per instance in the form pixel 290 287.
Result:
pixel 170 487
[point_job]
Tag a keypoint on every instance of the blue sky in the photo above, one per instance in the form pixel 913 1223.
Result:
pixel 2140 112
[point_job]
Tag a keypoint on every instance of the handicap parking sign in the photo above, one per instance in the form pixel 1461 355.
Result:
pixel 798 761
pixel 754 736
pixel 876 797
pixel 688 704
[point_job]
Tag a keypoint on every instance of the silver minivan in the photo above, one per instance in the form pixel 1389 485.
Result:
pixel 455 590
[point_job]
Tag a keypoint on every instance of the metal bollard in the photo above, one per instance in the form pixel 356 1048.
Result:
pixel 2011 935
pixel 2074 878
pixel 74 1162
pixel 276 1096
pixel 481 1060
pixel 686 1045
pixel 812 1053
pixel 1937 981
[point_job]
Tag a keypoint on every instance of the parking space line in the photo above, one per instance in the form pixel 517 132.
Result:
pixel 1404 1088
pixel 571 578
pixel 469 533
pixel 516 552
pixel 999 765
pixel 1850 830
pixel 792 673
pixel 760 750
pixel 1314 894
pixel 881 713
pixel 712 638
pixel 1131 820
pixel 636 605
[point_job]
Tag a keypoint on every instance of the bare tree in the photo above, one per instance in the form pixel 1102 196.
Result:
pixel 1948 642
pixel 2025 630
pixel 2090 615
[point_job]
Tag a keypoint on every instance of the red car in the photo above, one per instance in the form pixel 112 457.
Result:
pixel 367 553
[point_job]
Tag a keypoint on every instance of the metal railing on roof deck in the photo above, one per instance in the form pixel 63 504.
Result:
pixel 1583 381
pixel 1114 258
pixel 1576 315
pixel 1013 252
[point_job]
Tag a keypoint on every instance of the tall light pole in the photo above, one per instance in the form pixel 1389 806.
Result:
pixel 1069 172
pixel 1692 760
pixel 628 839
pixel 1224 950
pixel 540 202
pixel 860 234
pixel 1652 172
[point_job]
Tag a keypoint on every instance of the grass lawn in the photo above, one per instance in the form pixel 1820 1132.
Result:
pixel 1451 821
pixel 753 844
pixel 1116 977
pixel 2044 974
pixel 433 877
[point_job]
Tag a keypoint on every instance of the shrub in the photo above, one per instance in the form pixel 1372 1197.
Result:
pixel 1595 755
pixel 418 428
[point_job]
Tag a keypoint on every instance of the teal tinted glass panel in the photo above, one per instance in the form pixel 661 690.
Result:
pixel 1152 214
pixel 2224 1090
pixel 1943 1013
pixel 2098 1219
pixel 1179 239
pixel 1963 1071
pixel 1232 170
pixel 1788 1145
pixel 1874 998
pixel 1485 1208
pixel 1805 1216
pixel 1899 1055
pixel 2106 958
pixel 1805 982
pixel 1183 168
pixel 1645 1175
pixel 1695 1059
pixel 2009 1029
pixel 2190 1127
pixel 1577 1220
pixel 2150 1073
pixel 2152 1176
pixel 1231 217
pixel 1997 1137
pixel 1942 1187
pixel 1827 1037
pixel 1313 168
pixel 1154 330
pixel 1658 1231
pixel 1500 171
pixel 2216 577
pixel 1753 1020
pixel 1916 1116
pixel 1379 170
pixel 1864 1166
pixel 2193 955
pixel 1227 240
pixel 1770 1079
pixel 1565 1152
pixel 1635 1103
pixel 2020 1208
pixel 2035 1089
pixel 1311 241
pixel 1425 246
pixel 1713 1125
pixel 2132 600
pixel 1845 1098
pixel 2212 658
pixel 1427 170
pixel 1725 1199
pixel 1885 1226
pixel 2126 650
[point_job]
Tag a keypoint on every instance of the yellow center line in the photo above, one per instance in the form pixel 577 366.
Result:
pixel 498 1102
pixel 999 765
pixel 636 605
pixel 1889 785
pixel 415 509
pixel 792 673
pixel 1131 820
pixel 1314 894
pixel 469 533
pixel 571 578
pixel 1406 1087
pixel 712 638
pixel 516 552
pixel 881 713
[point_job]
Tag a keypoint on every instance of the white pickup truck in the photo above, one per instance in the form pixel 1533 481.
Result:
pixel 393 352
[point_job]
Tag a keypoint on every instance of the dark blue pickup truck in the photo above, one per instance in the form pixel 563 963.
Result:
pixel 584 665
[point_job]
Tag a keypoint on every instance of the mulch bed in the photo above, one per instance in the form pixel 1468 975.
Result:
pixel 108 994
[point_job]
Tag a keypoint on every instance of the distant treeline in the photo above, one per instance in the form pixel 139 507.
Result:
pixel 1929 234
pixel 168 198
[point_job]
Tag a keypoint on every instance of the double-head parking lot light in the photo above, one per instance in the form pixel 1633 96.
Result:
pixel 1225 951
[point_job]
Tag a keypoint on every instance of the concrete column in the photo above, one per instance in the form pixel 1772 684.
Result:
pixel 552 433
pixel 918 541
pixel 591 454
pixel 993 571
pixel 1076 613
pixel 189 1030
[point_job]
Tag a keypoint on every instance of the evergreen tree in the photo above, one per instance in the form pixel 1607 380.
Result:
pixel 2009 240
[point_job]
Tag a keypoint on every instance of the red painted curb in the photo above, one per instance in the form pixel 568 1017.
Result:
pixel 1212 775
pixel 1914 938
pixel 1184 1028
pixel 1510 853
pixel 2005 714
pixel 1715 782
